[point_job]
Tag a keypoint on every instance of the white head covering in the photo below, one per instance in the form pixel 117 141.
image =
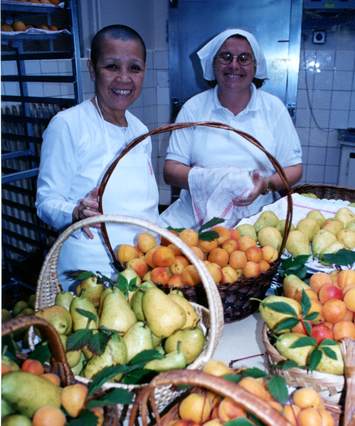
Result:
pixel 209 50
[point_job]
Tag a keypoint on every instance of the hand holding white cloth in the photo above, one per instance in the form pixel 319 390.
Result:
pixel 216 192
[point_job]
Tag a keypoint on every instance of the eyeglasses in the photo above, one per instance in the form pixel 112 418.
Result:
pixel 243 58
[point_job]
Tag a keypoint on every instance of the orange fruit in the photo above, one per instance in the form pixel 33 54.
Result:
pixel 254 254
pixel 73 398
pixel 215 271
pixel 219 255
pixel 145 242
pixel 264 266
pixel 192 271
pixel 189 237
pixel 195 407
pixel 48 416
pixel 245 242
pixel 343 329
pixel 309 417
pixel 346 277
pixel 175 249
pixel 306 397
pixel 126 252
pixel 334 310
pixel 32 366
pixel 270 254
pixel 255 387
pixel 318 279
pixel 163 256
pixel 230 246
pixel 349 299
pixel 207 246
pixel 238 259
pixel 291 412
pixel 251 270
pixel 160 275
pixel 327 418
pixel 54 378
pixel 199 253
pixel 223 232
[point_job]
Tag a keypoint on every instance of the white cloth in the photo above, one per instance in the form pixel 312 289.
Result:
pixel 77 148
pixel 265 118
pixel 209 50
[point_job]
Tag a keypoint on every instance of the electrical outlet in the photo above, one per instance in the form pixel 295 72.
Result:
pixel 319 37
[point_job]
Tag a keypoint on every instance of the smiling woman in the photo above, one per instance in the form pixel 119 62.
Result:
pixel 81 142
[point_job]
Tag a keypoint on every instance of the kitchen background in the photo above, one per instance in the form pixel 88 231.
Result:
pixel 325 105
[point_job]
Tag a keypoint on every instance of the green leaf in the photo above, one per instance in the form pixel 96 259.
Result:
pixel 86 418
pixel 208 235
pixel 303 341
pixel 87 314
pixel 286 365
pixel 314 359
pixel 312 316
pixel 342 258
pixel 115 396
pixel 328 342
pixel 97 342
pixel 145 356
pixel 213 222
pixel 305 303
pixel 253 372
pixel 294 265
pixel 79 274
pixel 255 420
pixel 330 353
pixel 41 353
pixel 105 375
pixel 139 375
pixel 282 307
pixel 240 421
pixel 132 285
pixel 285 324
pixel 78 339
pixel 235 378
pixel 122 284
pixel 308 327
pixel 178 230
pixel 278 388
pixel 104 279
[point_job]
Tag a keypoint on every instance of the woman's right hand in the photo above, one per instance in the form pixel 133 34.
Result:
pixel 87 207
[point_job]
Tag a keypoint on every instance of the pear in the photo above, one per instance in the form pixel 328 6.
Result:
pixel 77 369
pixel 191 316
pixel 59 317
pixel 351 225
pixel 18 307
pixel 64 299
pixel 293 286
pixel 192 341
pixel 345 215
pixel 90 289
pixel 247 229
pixel 32 301
pixel 266 218
pixel 73 357
pixel 138 338
pixel 115 353
pixel 129 274
pixel 333 248
pixel 333 226
pixel 316 215
pixel 172 361
pixel 116 312
pixel 137 299
pixel 297 243
pixel 156 340
pixel 79 320
pixel 162 314
pixel 309 195
pixel 321 241
pixel 298 355
pixel 272 317
pixel 270 236
pixel 5 315
pixel 6 409
pixel 330 365
pixel 107 291
pixel 8 364
pixel 309 227
pixel 281 226
pixel 347 238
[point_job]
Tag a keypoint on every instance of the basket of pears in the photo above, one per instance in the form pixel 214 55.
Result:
pixel 39 388
pixel 125 331
pixel 309 330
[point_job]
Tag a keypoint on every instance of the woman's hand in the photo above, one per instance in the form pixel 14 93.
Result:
pixel 261 186
pixel 87 207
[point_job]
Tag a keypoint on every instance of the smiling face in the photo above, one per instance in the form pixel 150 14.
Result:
pixel 233 75
pixel 118 75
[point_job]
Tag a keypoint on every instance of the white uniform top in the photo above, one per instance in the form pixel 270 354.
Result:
pixel 78 146
pixel 265 117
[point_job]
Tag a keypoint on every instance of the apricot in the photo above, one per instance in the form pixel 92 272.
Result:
pixel 318 279
pixel 234 234
pixel 215 271
pixel 251 270
pixel 126 252
pixel 327 418
pixel 290 412
pixel 53 378
pixel 229 275
pixel 189 237
pixel 207 246
pixel 223 232
pixel 318 308
pixel 99 413
pixel 217 368
pixel 270 254
pixel 254 254
pixel 230 245
pixel 160 275
pixel 344 329
pixel 346 277
pixel 349 299
pixel 349 316
pixel 309 417
pixel 328 292
pixel 192 271
pixel 218 255
pixel 163 256
pixel 48 416
pixel 309 292
pixel 238 259
pixel 245 242
pixel 176 281
pixel 145 242
pixel 276 406
pixel 32 366
pixel 139 266
pixel 264 266
pixel 73 398
pixel 255 387
pixel 306 397
pixel 195 407
pixel 149 257
pixel 228 410
pixel 334 310
pixel 199 253
pixel 175 249
pixel 179 265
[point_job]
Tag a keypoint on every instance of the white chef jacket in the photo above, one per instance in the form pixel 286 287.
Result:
pixel 78 146
pixel 265 117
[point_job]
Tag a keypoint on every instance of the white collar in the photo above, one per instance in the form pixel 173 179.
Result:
pixel 252 104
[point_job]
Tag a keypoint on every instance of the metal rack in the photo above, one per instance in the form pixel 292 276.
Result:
pixel 25 239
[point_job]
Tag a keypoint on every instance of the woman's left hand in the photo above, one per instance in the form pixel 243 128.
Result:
pixel 260 187
pixel 88 207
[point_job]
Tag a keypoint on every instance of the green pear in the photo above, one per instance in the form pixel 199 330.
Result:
pixel 321 241
pixel 192 341
pixel 107 291
pixel 156 340
pixel 27 392
pixel 80 321
pixel 309 227
pixel 26 311
pixel 298 355
pixel 90 289
pixel 162 314
pixel 330 365
pixel 347 238
pixel 333 248
pixel 270 236
pixel 18 307
pixel 138 338
pixel 297 243
pixel 59 317
pixel 77 369
pixel 116 312
pixel 333 226
pixel 351 225
pixel 247 229
pixel 172 361
pixel 309 195
pixel 6 409
pixel 73 357
pixel 272 317
pixel 64 299
pixel 281 226
pixel 32 301
pixel 137 300
pixel 191 315
pixel 293 286
pixel 345 215
pixel 5 315
pixel 129 274
pixel 115 353
pixel 316 215
pixel 8 364
pixel 266 218
pixel 16 420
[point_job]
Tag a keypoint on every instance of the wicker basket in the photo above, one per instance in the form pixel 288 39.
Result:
pixel 212 319
pixel 59 363
pixel 235 297
pixel 328 192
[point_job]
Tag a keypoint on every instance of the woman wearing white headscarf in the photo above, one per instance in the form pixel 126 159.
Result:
pixel 203 157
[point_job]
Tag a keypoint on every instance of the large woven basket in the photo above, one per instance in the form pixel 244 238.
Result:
pixel 236 298
pixel 58 363
pixel 211 320
pixel 328 192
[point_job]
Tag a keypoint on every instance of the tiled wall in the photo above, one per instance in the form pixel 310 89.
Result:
pixel 325 101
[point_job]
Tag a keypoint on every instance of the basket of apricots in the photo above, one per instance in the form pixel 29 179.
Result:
pixel 34 392
pixel 219 396
pixel 307 328
pixel 240 267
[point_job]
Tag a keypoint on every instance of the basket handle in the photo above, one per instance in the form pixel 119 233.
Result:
pixel 49 271
pixel 58 361
pixel 177 126
pixel 251 403
pixel 348 351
